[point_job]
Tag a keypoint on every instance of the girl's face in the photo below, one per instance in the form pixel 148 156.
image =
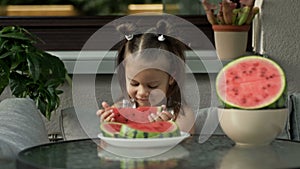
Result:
pixel 147 87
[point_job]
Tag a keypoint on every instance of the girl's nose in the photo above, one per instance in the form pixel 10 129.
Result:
pixel 143 92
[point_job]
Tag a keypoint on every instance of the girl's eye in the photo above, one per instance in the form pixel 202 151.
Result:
pixel 152 87
pixel 134 84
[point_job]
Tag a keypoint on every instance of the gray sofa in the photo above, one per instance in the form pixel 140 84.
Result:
pixel 21 127
pixel 294 107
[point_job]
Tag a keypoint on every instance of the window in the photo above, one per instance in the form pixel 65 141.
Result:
pixel 99 7
pixel 65 35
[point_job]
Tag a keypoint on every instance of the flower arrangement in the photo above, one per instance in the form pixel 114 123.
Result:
pixel 229 12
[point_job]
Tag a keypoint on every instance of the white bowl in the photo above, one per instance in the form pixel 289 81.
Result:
pixel 252 127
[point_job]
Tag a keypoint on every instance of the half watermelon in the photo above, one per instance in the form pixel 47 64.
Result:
pixel 251 82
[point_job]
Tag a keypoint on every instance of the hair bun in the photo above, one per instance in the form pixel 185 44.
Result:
pixel 162 27
pixel 127 29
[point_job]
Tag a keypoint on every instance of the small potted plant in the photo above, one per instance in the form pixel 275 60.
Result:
pixel 29 71
pixel 231 24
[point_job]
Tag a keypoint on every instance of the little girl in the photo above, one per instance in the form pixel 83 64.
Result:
pixel 151 72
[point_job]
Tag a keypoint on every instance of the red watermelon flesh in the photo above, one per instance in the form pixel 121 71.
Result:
pixel 159 126
pixel 134 115
pixel 250 82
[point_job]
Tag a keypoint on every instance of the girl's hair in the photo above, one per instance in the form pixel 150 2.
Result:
pixel 136 42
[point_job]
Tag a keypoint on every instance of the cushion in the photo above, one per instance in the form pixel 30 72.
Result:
pixel 21 127
pixel 79 123
pixel 294 107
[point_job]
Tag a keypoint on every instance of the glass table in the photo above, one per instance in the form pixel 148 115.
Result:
pixel 217 152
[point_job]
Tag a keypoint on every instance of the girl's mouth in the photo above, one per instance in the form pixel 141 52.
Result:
pixel 142 101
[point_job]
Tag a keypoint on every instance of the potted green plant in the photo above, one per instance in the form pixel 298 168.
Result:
pixel 231 25
pixel 30 71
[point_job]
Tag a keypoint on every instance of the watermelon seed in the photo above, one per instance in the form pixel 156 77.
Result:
pixel 244 100
pixel 263 70
pixel 269 85
pixel 255 64
pixel 265 95
pixel 257 100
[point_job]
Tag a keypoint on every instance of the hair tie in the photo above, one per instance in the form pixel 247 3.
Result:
pixel 129 37
pixel 161 38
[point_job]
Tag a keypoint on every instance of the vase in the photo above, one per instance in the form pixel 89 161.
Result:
pixel 230 41
pixel 253 127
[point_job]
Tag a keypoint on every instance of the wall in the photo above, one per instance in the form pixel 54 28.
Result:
pixel 277 34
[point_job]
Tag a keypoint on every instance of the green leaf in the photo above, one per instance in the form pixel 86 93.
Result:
pixel 3 43
pixel 4 76
pixel 8 29
pixel 42 106
pixel 34 67
pixel 18 84
pixel 16 59
pixel 15 35
pixel 6 55
pixel 52 66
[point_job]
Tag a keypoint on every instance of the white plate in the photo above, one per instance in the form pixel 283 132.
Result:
pixel 144 143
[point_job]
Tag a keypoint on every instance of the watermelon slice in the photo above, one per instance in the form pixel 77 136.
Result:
pixel 251 82
pixel 157 129
pixel 140 130
pixel 134 115
pixel 110 129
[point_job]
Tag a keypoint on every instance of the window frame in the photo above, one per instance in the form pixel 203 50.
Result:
pixel 66 35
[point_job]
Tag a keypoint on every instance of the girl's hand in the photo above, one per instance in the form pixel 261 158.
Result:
pixel 161 116
pixel 106 114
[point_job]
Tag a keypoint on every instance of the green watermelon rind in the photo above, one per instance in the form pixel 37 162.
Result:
pixel 280 103
pixel 276 98
pixel 128 132
pixel 106 133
